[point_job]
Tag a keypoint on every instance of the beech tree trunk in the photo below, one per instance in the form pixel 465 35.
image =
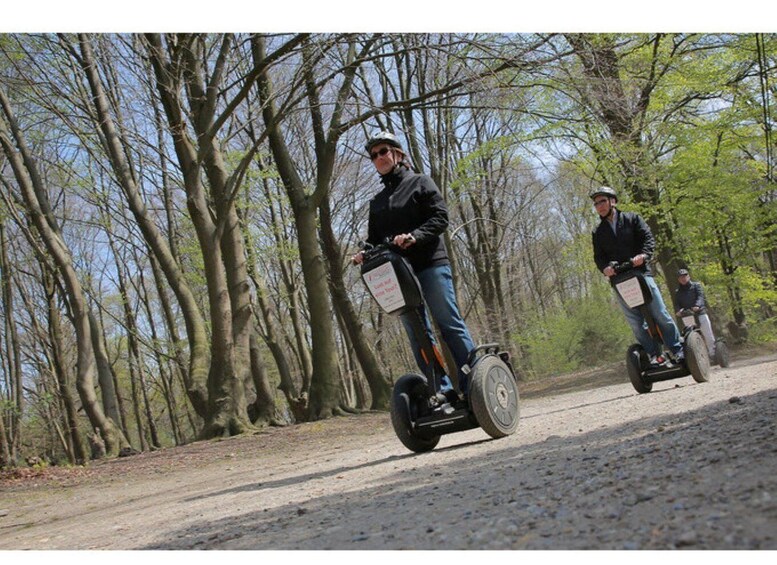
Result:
pixel 114 146
pixel 39 210
pixel 75 445
pixel 12 352
pixel 380 385
pixel 324 388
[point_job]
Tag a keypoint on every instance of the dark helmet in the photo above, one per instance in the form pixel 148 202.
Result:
pixel 682 272
pixel 382 137
pixel 605 191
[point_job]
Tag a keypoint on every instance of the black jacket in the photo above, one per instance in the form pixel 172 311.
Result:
pixel 690 295
pixel 633 237
pixel 410 203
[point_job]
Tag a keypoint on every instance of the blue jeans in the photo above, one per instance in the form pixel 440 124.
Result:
pixel 665 323
pixel 437 286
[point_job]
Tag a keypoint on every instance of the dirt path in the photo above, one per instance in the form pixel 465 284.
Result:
pixel 686 466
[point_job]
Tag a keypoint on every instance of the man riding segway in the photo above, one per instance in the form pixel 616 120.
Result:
pixel 692 305
pixel 623 244
pixel 622 237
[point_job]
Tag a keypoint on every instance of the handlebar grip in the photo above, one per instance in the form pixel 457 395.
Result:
pixel 621 267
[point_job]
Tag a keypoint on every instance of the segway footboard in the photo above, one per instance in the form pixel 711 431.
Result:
pixel 441 423
pixel 666 373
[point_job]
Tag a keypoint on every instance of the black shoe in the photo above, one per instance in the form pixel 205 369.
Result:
pixel 451 396
pixel 461 402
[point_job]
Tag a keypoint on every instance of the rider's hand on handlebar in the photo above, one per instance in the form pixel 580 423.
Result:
pixel 358 258
pixel 638 260
pixel 404 240
pixel 608 271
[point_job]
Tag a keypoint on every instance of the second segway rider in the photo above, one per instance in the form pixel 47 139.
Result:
pixel 625 236
pixel 690 295
pixel 411 212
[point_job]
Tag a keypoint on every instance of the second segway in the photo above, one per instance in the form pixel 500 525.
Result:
pixel 721 357
pixel 633 289
pixel 420 414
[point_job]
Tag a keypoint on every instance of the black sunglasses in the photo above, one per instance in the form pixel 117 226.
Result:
pixel 379 153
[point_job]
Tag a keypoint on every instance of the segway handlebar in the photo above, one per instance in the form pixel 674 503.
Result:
pixel 369 250
pixel 621 267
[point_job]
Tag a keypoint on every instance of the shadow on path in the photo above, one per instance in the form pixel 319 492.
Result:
pixel 703 479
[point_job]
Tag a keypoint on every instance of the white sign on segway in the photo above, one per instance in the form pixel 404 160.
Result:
pixel 631 292
pixel 384 287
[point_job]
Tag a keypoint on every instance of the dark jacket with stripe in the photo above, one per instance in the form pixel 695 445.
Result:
pixel 410 203
pixel 632 237
pixel 690 295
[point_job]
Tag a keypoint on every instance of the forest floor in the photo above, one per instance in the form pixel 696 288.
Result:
pixel 593 465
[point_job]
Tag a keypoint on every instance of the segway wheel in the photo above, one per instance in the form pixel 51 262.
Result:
pixel 722 357
pixel 636 359
pixel 697 357
pixel 407 396
pixel 494 397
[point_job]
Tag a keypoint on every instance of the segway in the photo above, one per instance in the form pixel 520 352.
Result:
pixel 690 319
pixel 420 414
pixel 632 287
